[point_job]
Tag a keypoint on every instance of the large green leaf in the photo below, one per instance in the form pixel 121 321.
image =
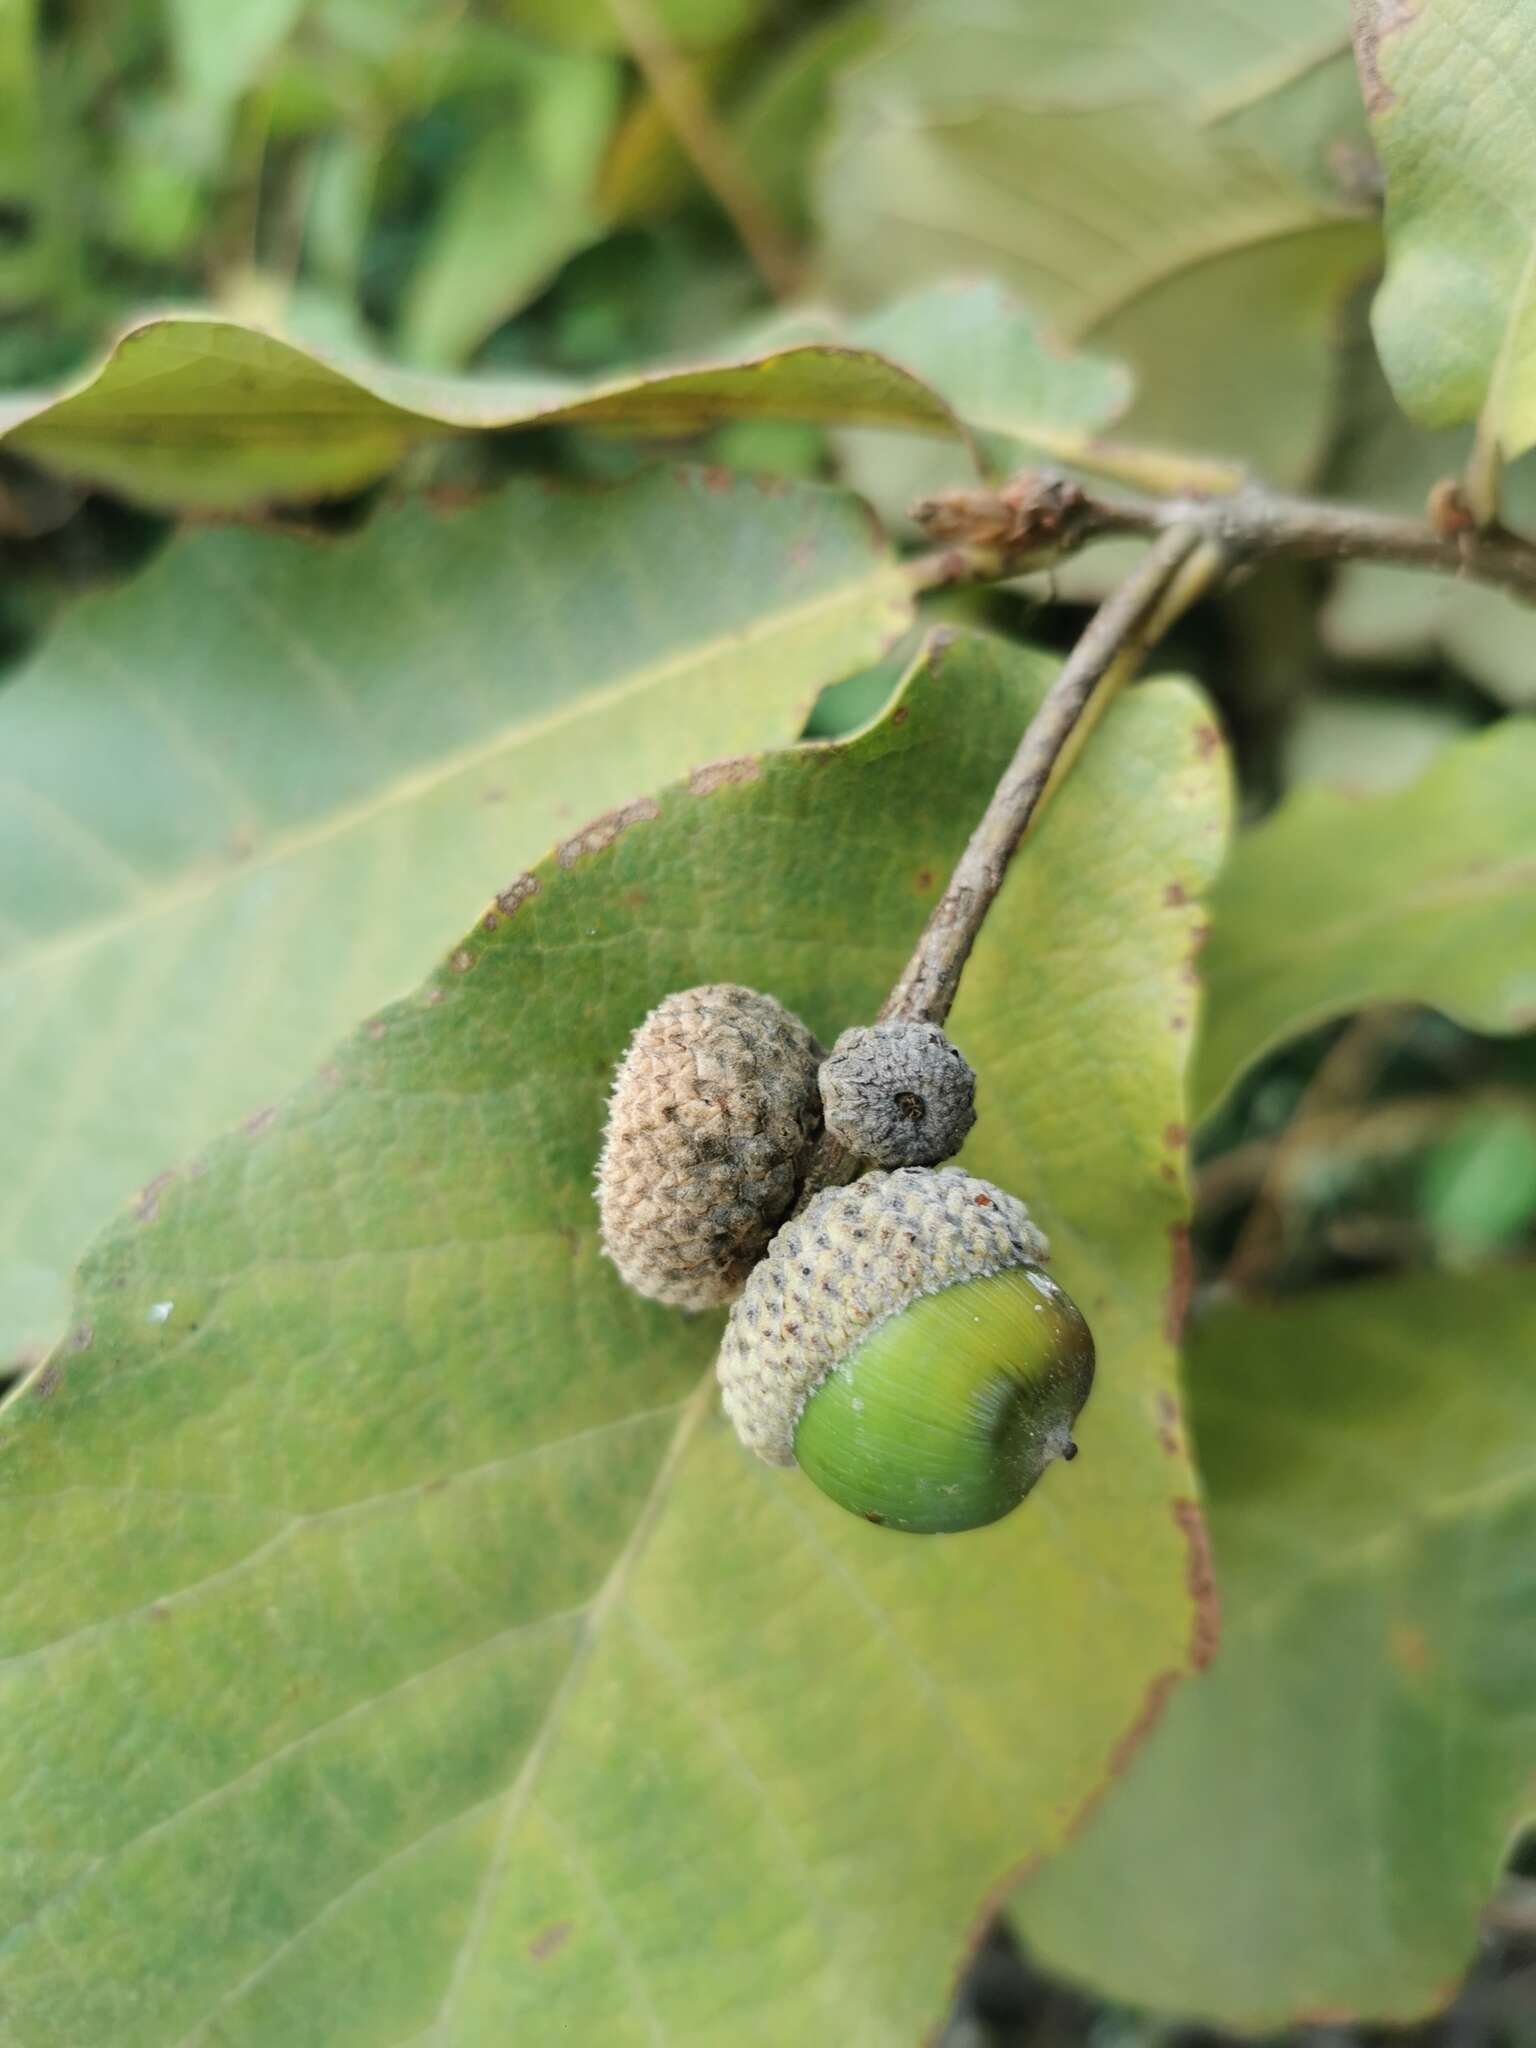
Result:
pixel 1421 895
pixel 1316 1826
pixel 434 1664
pixel 202 412
pixel 1451 92
pixel 244 800
pixel 1156 183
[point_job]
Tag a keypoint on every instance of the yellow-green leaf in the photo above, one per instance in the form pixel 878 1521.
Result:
pixel 379 1553
pixel 1318 1823
pixel 201 412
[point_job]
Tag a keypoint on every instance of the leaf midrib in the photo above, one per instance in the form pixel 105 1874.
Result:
pixel 520 1792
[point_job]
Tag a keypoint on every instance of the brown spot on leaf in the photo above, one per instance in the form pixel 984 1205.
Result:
pixel 261 1120
pixel 602 832
pixel 1372 22
pixel 1207 740
pixel 901 714
pixel 1200 1577
pixel 1175 1137
pixel 435 993
pixel 375 1027
pixel 1175 894
pixel 158 1610
pixel 494 795
pixel 725 774
pixel 462 961
pixel 1409 1649
pixel 1181 1282
pixel 551 1940
pixel 516 894
pixel 146 1203
pixel 1169 1433
pixel 1149 1714
pixel 489 922
pixel 46 1385
pixel 331 1073
pixel 1178 1023
pixel 716 478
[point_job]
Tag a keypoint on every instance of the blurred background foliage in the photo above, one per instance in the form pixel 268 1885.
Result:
pixel 567 188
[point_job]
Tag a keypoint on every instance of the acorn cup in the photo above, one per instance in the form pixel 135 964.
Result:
pixel 901 1343
pixel 898 1094
pixel 713 1116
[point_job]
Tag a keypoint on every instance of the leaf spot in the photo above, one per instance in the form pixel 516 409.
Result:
pixel 1409 1649
pixel 723 774
pixel 1374 21
pixel 1180 1284
pixel 1169 1434
pixel 551 1941
pixel 602 832
pixel 146 1203
pixel 516 894
pixel 1200 1577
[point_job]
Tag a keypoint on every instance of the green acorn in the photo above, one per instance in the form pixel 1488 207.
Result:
pixel 901 1343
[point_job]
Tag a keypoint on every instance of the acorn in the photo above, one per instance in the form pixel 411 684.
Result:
pixel 901 1343
pixel 714 1113
pixel 898 1094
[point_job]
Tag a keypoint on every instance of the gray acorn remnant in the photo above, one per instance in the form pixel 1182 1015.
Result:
pixel 898 1094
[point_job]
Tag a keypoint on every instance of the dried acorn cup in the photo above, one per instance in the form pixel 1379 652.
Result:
pixel 902 1345
pixel 713 1116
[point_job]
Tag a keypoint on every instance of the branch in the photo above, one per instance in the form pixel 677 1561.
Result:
pixel 683 101
pixel 1041 517
pixel 1179 568
pixel 1112 647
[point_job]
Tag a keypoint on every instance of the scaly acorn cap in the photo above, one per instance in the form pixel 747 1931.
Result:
pixel 901 1343
pixel 713 1116
pixel 898 1094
